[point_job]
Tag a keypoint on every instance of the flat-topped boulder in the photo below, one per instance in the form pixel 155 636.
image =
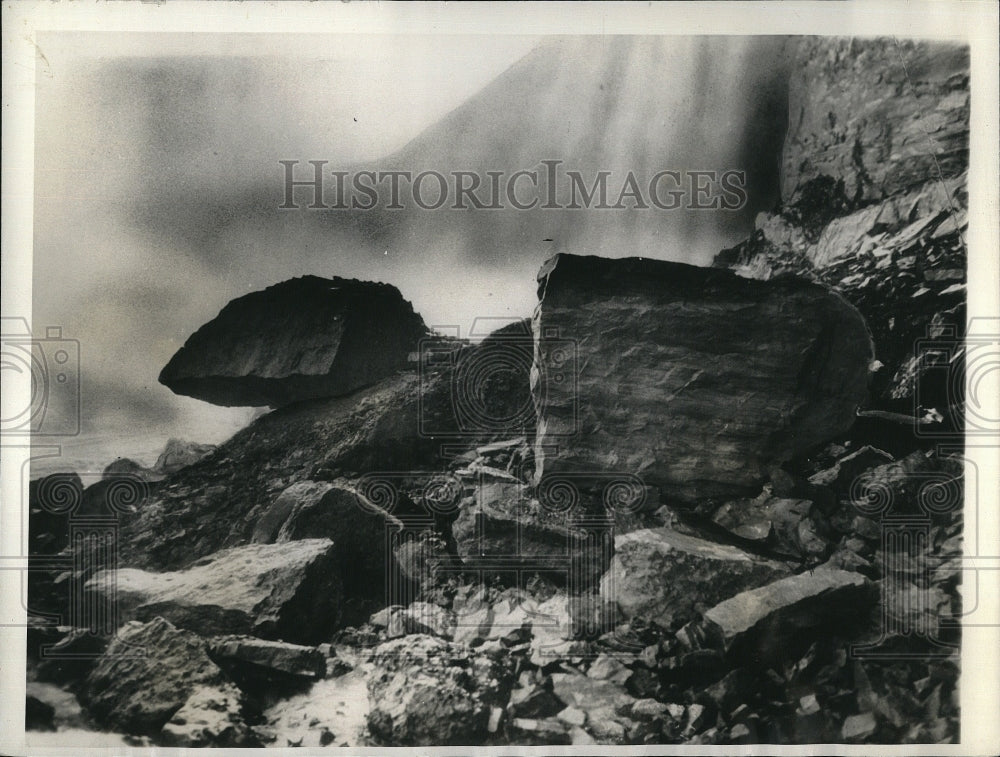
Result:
pixel 304 338
pixel 694 379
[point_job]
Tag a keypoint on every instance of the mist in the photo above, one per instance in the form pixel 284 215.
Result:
pixel 158 181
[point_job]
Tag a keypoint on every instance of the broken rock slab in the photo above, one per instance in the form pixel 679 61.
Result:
pixel 302 339
pixel 289 591
pixel 261 655
pixel 759 624
pixel 320 510
pixel 722 377
pixel 662 575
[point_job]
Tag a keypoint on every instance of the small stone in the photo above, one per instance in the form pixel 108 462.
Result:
pixel 573 716
pixel 858 727
pixel 808 705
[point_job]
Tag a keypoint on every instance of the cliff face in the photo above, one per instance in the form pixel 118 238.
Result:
pixel 879 116
pixel 874 203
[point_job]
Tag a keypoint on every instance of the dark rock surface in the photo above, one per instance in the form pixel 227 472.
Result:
pixel 271 656
pixel 320 510
pixel 302 339
pixel 878 115
pixel 146 675
pixel 692 381
pixel 290 591
pixel 180 453
pixel 875 205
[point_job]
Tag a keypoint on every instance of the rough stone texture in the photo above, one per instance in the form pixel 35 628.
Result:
pixel 180 453
pixel 319 510
pixel 301 339
pixel 290 659
pixel 290 591
pixel 127 468
pixel 504 529
pixel 784 526
pixel 879 115
pixel 756 624
pixel 211 717
pixel 661 575
pixel 146 675
pixel 694 381
pixel 204 508
pixel 426 691
pixel 874 205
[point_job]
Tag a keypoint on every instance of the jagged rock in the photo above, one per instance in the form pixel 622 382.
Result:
pixel 507 529
pixel 261 655
pixel 423 560
pixel 539 731
pixel 858 727
pixel 125 467
pixel 301 339
pixel 922 482
pixel 290 591
pixel 849 121
pixel 759 624
pixel 786 525
pixel 590 694
pixel 180 453
pixel 714 387
pixel 426 691
pixel 211 717
pixel 607 668
pixel 317 510
pixel 425 618
pixel 842 474
pixel 534 701
pixel 146 675
pixel 662 575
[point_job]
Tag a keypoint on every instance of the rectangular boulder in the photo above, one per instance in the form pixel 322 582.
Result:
pixel 694 379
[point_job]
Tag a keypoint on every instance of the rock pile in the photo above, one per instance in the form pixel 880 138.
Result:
pixel 694 545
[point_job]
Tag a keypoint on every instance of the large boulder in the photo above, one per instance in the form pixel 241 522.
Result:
pixel 358 528
pixel 290 591
pixel 147 675
pixel 426 691
pixel 301 339
pixel 694 379
pixel 663 576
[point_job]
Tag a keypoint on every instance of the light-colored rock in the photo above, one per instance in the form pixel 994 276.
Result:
pixel 209 718
pixel 760 621
pixel 289 591
pixel 426 691
pixel 661 575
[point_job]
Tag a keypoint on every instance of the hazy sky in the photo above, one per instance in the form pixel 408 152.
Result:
pixel 157 179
